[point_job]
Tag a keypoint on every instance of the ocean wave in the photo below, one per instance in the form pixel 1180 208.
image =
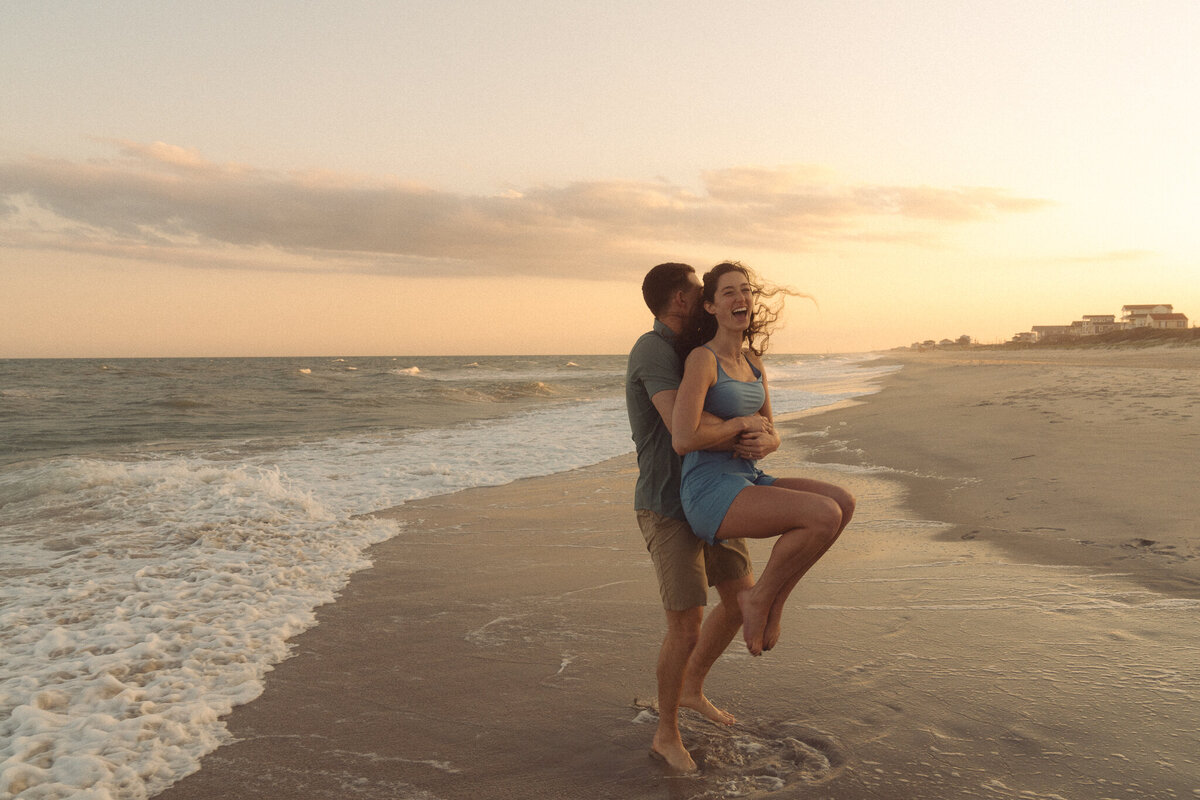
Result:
pixel 475 392
pixel 37 394
pixel 519 389
pixel 179 588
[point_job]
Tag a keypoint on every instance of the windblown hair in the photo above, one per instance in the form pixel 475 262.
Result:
pixel 663 281
pixel 768 304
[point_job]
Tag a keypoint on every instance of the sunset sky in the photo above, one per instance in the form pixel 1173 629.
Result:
pixel 383 178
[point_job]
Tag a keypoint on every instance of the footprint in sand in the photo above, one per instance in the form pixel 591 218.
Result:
pixel 1152 546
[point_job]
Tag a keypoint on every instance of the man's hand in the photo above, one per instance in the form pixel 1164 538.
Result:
pixel 755 423
pixel 759 444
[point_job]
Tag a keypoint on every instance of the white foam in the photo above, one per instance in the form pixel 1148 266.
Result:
pixel 814 382
pixel 366 474
pixel 121 652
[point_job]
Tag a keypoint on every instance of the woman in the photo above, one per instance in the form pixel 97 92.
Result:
pixel 726 497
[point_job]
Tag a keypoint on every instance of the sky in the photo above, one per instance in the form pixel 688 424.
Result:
pixel 425 178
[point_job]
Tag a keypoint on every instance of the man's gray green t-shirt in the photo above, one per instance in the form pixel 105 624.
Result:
pixel 654 367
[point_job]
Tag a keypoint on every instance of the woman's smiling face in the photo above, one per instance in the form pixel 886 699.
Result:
pixel 733 300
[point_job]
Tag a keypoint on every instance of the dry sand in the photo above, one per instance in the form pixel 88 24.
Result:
pixel 1012 614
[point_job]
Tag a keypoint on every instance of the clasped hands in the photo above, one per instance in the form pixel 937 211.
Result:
pixel 757 440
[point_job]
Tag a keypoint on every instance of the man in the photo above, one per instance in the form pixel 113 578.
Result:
pixel 686 565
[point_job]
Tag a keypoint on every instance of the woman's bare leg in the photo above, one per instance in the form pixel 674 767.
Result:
pixel 846 503
pixel 806 524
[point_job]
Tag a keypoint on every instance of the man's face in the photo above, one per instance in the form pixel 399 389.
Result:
pixel 691 295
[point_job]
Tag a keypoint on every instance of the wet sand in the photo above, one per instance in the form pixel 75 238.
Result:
pixel 1068 456
pixel 1013 613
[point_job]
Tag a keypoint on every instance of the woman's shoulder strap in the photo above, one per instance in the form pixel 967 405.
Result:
pixel 716 360
pixel 755 362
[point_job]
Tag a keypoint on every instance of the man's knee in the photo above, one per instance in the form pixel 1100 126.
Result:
pixel 683 627
pixel 729 591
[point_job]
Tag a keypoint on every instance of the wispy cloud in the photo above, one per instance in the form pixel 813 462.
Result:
pixel 166 203
pixel 1111 257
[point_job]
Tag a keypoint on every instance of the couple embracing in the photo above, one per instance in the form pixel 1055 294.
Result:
pixel 695 388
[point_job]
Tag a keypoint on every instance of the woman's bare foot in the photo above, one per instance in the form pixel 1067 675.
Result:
pixel 670 750
pixel 774 627
pixel 754 620
pixel 702 704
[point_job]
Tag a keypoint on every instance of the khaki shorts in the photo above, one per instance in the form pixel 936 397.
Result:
pixel 687 565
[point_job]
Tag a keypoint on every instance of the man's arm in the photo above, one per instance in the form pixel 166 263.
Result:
pixel 712 437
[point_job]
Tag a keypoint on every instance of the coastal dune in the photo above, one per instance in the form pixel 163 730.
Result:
pixel 1012 613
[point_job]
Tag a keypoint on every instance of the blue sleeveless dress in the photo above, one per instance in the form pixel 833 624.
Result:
pixel 712 478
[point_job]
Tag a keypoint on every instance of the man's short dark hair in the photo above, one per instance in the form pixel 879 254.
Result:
pixel 662 282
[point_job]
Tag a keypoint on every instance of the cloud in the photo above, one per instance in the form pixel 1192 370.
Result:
pixel 1112 257
pixel 162 202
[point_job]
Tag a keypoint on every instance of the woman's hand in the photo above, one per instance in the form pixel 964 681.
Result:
pixel 753 446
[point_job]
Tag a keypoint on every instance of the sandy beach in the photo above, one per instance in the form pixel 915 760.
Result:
pixel 1012 614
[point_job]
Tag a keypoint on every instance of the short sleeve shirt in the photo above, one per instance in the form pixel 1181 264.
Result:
pixel 654 367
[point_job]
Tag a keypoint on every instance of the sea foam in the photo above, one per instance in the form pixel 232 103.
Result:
pixel 140 629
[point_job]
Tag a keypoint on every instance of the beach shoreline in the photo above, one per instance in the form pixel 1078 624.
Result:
pixel 1061 456
pixel 503 644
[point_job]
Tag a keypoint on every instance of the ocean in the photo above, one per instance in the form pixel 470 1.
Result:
pixel 167 525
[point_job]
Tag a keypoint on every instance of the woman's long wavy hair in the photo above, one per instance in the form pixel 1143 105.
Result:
pixel 768 304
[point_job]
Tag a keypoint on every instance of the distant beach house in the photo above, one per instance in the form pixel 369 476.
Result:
pixel 1139 316
pixel 1157 316
pixel 1041 332
pixel 1095 324
pixel 1161 315
pixel 1168 321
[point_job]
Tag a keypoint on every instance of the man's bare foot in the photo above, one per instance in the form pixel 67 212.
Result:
pixel 754 620
pixel 670 751
pixel 701 704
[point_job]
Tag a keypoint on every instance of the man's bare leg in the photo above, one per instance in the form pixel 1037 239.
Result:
pixel 720 626
pixel 683 632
